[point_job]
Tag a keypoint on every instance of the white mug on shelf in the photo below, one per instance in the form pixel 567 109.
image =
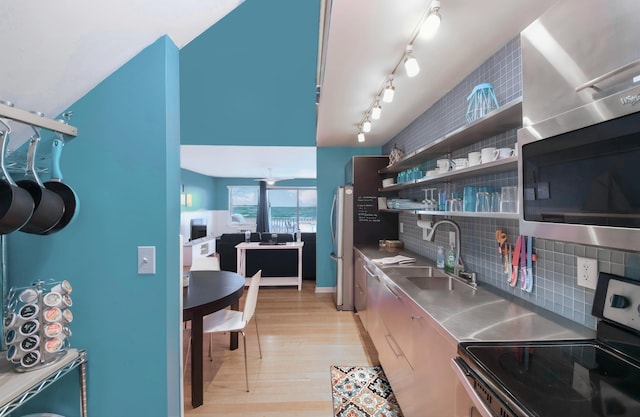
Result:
pixel 475 158
pixel 460 163
pixel 444 165
pixel 505 153
pixel 488 155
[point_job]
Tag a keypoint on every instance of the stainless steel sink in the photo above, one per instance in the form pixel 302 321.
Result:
pixel 413 270
pixel 441 283
pixel 426 277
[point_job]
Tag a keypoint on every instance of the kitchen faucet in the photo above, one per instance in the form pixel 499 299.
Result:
pixel 459 267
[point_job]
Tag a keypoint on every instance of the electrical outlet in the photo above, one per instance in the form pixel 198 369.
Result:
pixel 587 272
pixel 401 227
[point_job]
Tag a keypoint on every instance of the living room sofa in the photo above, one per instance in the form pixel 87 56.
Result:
pixel 272 262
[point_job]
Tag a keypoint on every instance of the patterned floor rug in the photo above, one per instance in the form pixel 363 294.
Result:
pixel 362 391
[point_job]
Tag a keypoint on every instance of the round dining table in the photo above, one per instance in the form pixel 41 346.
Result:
pixel 207 292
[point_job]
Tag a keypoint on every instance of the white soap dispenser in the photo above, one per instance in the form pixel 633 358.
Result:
pixel 440 258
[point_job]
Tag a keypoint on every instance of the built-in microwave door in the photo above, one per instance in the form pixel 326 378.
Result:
pixel 587 180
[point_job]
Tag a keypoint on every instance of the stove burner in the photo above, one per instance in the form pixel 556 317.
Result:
pixel 548 377
pixel 571 378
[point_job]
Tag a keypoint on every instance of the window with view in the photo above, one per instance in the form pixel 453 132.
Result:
pixel 243 204
pixel 292 208
pixel 289 208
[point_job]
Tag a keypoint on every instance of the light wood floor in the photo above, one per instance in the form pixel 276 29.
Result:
pixel 302 335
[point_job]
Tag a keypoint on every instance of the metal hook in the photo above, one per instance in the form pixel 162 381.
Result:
pixel 4 123
pixel 36 130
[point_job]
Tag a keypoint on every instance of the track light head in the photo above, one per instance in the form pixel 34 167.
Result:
pixel 366 126
pixel 360 137
pixel 410 63
pixel 432 22
pixel 376 111
pixel 389 92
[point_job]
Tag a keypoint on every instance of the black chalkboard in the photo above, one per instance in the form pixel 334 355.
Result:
pixel 366 208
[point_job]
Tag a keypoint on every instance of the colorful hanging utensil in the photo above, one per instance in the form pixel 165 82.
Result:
pixel 515 262
pixel 529 278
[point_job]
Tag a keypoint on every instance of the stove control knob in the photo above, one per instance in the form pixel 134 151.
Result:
pixel 619 301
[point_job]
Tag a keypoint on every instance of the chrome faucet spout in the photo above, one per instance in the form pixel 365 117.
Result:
pixel 459 267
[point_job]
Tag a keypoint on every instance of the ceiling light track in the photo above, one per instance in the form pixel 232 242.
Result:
pixel 428 27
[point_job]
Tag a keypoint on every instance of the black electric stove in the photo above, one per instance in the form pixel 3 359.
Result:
pixel 577 378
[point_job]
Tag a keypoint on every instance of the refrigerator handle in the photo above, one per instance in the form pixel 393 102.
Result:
pixel 332 219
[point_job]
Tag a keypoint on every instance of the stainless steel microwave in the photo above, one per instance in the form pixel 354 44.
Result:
pixel 579 149
pixel 584 185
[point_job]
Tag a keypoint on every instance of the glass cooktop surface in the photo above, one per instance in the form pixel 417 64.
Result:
pixel 573 379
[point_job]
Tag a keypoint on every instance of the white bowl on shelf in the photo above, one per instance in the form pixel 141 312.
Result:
pixel 388 182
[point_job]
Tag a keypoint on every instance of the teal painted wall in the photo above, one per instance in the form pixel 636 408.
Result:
pixel 250 78
pixel 331 164
pixel 124 167
pixel 201 187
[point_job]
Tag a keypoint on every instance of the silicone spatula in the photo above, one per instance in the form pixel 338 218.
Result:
pixel 515 262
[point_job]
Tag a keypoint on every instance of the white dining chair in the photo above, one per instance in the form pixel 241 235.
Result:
pixel 224 321
pixel 205 263
pixel 202 263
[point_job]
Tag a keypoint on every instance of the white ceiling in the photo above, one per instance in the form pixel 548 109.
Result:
pixel 367 39
pixel 250 161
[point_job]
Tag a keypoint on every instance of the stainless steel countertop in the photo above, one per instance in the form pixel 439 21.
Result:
pixel 480 314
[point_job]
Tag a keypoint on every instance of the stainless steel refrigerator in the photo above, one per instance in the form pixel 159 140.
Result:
pixel 356 220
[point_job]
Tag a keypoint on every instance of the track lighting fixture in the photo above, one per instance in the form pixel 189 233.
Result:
pixel 410 63
pixel 366 126
pixel 426 29
pixel 376 111
pixel 389 91
pixel 432 22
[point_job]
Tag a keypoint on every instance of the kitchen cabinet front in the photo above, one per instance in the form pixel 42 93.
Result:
pixel 413 353
pixel 360 290
pixel 416 332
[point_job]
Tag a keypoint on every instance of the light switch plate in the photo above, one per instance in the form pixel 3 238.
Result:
pixel 146 259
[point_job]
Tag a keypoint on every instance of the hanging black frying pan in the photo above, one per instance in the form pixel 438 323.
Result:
pixel 49 207
pixel 55 184
pixel 16 204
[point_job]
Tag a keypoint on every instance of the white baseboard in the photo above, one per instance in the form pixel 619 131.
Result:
pixel 325 289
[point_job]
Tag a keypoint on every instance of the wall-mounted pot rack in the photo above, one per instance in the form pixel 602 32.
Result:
pixel 16 157
pixel 33 119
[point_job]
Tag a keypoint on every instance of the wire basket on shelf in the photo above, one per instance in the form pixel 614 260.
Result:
pixel 482 100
